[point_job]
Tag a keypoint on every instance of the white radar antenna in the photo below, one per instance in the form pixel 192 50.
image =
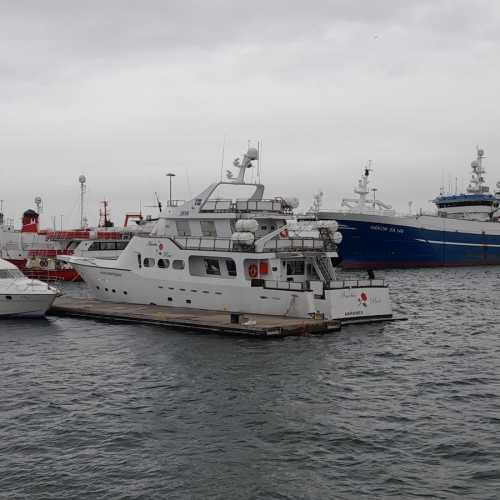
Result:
pixel 39 204
pixel 477 181
pixel 251 155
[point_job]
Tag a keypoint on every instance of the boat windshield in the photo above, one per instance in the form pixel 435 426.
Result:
pixel 10 274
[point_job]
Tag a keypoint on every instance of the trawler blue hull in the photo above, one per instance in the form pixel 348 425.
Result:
pixel 375 242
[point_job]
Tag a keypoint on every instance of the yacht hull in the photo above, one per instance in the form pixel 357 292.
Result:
pixel 348 302
pixel 25 304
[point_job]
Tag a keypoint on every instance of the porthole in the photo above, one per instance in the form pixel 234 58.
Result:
pixel 98 287
pixel 163 263
pixel 125 293
pixel 107 289
pixel 114 291
pixel 170 299
pixel 188 301
pixel 8 297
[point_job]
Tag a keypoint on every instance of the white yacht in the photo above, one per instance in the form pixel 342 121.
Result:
pixel 21 296
pixel 247 255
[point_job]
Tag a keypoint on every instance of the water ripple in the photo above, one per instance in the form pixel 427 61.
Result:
pixel 402 410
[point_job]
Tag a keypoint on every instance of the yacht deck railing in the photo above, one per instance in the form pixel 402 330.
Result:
pixel 226 244
pixel 245 206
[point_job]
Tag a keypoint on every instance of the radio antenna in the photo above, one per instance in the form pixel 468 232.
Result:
pixel 222 157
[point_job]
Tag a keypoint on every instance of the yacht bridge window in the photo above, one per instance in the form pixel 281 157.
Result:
pixel 108 245
pixel 208 228
pixel 183 228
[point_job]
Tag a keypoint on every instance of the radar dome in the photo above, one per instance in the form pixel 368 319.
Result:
pixel 252 153
pixel 38 200
pixel 82 179
pixel 474 164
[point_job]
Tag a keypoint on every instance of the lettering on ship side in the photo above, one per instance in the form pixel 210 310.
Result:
pixel 387 229
pixel 353 313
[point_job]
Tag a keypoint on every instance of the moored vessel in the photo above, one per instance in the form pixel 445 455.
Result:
pixel 464 231
pixel 246 255
pixel 21 296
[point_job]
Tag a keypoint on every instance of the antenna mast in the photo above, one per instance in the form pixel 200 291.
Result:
pixel 83 189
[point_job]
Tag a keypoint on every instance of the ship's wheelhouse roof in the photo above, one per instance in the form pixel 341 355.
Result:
pixel 465 199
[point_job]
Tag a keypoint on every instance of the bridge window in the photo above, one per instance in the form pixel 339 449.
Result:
pixel 208 228
pixel 183 228
pixel 163 263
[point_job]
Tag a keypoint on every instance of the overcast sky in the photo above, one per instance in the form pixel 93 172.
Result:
pixel 125 91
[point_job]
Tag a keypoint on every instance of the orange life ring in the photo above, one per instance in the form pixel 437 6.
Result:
pixel 253 270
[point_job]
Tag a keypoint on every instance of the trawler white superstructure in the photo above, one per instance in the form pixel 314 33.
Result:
pixel 241 255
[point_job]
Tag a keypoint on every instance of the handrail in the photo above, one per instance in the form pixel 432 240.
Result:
pixel 375 283
pixel 297 286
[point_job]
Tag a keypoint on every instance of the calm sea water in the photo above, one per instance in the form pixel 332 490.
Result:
pixel 403 410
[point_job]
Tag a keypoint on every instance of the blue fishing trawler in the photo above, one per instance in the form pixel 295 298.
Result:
pixel 464 230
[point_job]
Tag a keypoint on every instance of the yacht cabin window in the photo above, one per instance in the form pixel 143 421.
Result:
pixel 10 274
pixel 212 266
pixel 231 267
pixel 183 228
pixel 178 264
pixel 294 267
pixel 149 262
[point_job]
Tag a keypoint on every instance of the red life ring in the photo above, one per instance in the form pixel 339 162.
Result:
pixel 284 233
pixel 253 270
pixel 44 262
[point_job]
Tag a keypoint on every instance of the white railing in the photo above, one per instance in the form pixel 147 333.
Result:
pixel 356 284
pixel 244 206
pixel 285 285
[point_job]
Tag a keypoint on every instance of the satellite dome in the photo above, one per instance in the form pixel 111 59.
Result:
pixel 82 179
pixel 474 164
pixel 252 153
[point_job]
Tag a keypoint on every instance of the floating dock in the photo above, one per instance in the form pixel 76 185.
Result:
pixel 256 325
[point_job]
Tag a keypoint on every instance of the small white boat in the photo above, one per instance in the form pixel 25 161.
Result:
pixel 21 296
